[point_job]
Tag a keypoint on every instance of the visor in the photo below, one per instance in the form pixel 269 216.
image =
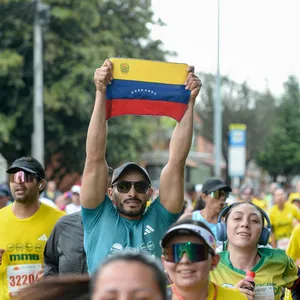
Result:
pixel 201 232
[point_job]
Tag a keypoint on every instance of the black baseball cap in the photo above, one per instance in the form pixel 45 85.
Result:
pixel 214 184
pixel 128 166
pixel 27 164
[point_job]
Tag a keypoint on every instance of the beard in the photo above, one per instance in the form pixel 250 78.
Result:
pixel 27 196
pixel 26 199
pixel 136 212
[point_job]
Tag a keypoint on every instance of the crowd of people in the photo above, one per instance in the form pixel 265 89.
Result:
pixel 109 237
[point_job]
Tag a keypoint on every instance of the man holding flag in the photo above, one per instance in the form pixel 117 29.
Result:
pixel 109 228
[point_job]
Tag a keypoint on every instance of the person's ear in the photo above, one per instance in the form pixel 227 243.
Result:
pixel 204 197
pixel 42 184
pixel 214 261
pixel 150 192
pixel 110 192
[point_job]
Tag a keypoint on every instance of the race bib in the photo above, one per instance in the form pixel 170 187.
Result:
pixel 264 292
pixel 283 243
pixel 19 276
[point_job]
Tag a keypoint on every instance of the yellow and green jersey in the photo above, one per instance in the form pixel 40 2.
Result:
pixel 273 271
pixel 23 241
pixel 225 293
pixel 282 220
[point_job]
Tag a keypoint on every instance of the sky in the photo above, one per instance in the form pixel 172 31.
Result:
pixel 259 39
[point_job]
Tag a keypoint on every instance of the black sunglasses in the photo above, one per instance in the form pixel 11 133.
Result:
pixel 141 187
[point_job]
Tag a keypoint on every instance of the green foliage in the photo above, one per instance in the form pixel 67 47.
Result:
pixel 127 140
pixel 240 104
pixel 78 38
pixel 281 155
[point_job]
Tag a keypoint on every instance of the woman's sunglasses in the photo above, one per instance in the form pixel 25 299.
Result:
pixel 219 193
pixel 195 252
pixel 22 176
pixel 140 187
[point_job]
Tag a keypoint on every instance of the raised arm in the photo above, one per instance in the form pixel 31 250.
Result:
pixel 95 174
pixel 172 177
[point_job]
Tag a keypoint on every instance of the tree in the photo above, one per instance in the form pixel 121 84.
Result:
pixel 240 104
pixel 281 155
pixel 78 38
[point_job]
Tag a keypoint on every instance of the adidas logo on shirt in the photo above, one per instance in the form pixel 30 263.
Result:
pixel 42 238
pixel 148 230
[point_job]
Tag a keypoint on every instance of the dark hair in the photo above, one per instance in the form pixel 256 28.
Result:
pixel 200 204
pixel 239 203
pixel 59 287
pixel 139 257
pixel 295 199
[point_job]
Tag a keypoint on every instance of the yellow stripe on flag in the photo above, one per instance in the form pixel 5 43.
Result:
pixel 149 71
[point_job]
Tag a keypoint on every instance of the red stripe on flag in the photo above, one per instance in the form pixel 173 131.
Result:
pixel 119 107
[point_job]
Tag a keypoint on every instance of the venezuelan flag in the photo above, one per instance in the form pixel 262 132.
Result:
pixel 144 87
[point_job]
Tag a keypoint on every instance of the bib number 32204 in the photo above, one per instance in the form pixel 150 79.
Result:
pixel 19 276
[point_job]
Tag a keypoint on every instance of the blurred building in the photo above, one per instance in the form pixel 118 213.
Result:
pixel 199 164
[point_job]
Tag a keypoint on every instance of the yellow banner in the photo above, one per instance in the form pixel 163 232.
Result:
pixel 149 71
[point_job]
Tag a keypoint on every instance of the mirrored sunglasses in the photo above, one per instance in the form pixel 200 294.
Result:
pixel 219 193
pixel 140 187
pixel 22 177
pixel 195 252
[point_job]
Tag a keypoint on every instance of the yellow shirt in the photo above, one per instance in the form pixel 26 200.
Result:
pixel 261 203
pixel 293 196
pixel 23 241
pixel 216 292
pixel 293 249
pixel 282 220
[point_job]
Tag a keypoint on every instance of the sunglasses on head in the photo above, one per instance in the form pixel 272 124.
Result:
pixel 195 252
pixel 219 193
pixel 22 176
pixel 140 187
